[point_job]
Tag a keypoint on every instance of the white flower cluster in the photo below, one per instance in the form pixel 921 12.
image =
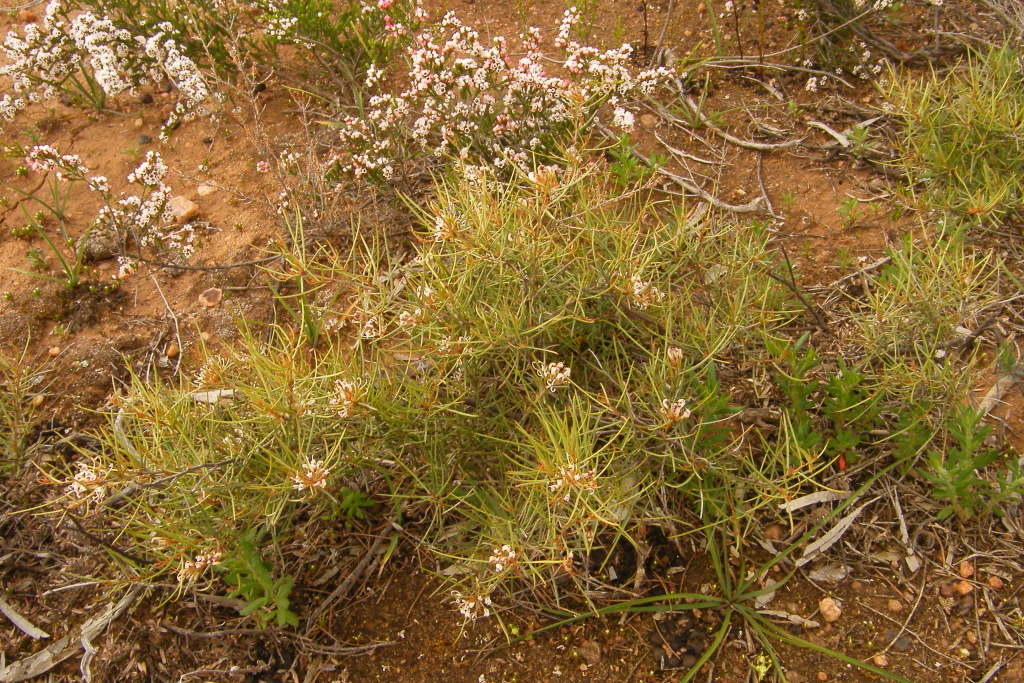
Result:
pixel 474 101
pixel 313 476
pixel 347 396
pixel 502 558
pixel 472 607
pixel 88 481
pixel 644 293
pixel 674 411
pixel 865 69
pixel 42 158
pixel 44 61
pixel 140 215
pixel 192 570
pixel 555 375
pixel 569 478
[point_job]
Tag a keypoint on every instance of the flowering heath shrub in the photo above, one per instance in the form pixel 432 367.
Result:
pixel 90 58
pixel 477 103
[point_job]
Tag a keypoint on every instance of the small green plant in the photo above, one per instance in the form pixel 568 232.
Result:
pixel 788 200
pixel 954 470
pixel 265 597
pixel 849 211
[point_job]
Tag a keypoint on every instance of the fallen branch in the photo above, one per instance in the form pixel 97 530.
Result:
pixel 365 566
pixel 80 638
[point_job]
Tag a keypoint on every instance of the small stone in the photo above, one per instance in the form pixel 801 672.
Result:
pixel 211 297
pixel 995 582
pixel 946 590
pixel 591 652
pixel 830 610
pixel 38 400
pixel 688 33
pixel 701 7
pixel 182 209
pixel 822 676
pixel 963 587
pixel 98 244
pixel 258 88
pixel 649 121
pixel 207 140
pixel 900 642
pixel 881 661
pixel 26 16
pixel 139 123
pixel 172 351
pixel 54 351
pixel 146 98
pixel 165 87
pixel 857 587
pixel 774 532
pixel 895 606
pixel 205 190
pixel 966 570
pixel 145 139
pixel 795 677
pixel 689 661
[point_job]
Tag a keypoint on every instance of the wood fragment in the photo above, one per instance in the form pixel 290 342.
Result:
pixel 68 646
pixel 23 624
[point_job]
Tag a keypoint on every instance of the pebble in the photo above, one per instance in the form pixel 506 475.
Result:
pixel 688 33
pixel 966 570
pixel 205 190
pixel 182 209
pixel 963 587
pixel 139 123
pixel 830 610
pixel 145 139
pixel 900 643
pixel 26 16
pixel 995 582
pixel 172 351
pixel 881 661
pixel 895 606
pixel 54 351
pixel 649 121
pixel 211 297
pixel 38 400
pixel 207 140
pixel 822 676
pixel 146 98
pixel 795 677
pixel 857 587
pixel 701 7
pixel 591 652
pixel 773 532
pixel 946 590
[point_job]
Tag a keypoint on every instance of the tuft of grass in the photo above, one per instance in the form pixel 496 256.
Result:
pixel 963 136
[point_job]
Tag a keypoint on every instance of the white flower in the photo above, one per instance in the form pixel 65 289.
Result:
pixel 622 119
pixel 570 478
pixel 313 476
pixel 674 411
pixel 502 558
pixel 347 396
pixel 472 607
pixel 555 375
pixel 192 570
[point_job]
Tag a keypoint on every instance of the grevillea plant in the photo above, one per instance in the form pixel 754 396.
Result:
pixel 478 103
